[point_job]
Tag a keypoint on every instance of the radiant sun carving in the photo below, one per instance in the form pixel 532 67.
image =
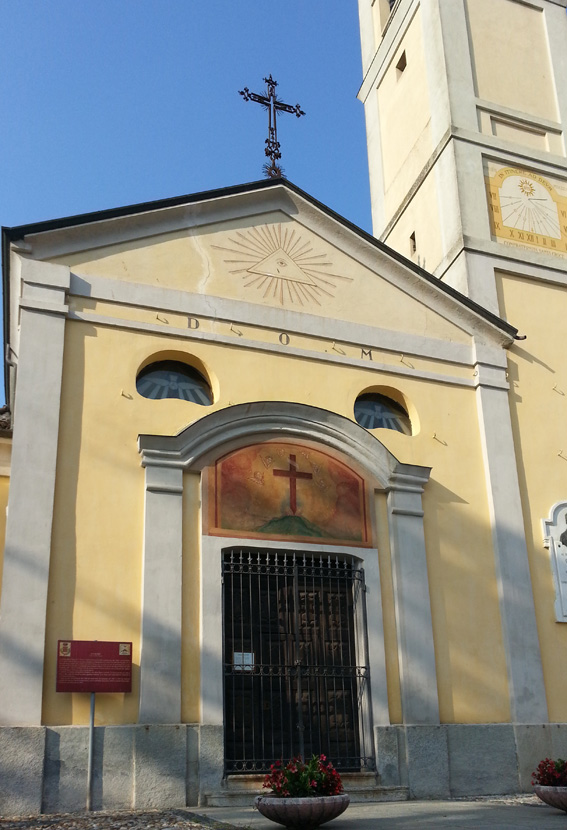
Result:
pixel 281 264
pixel 527 187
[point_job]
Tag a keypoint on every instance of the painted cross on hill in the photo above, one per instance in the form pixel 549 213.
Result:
pixel 293 474
pixel 271 103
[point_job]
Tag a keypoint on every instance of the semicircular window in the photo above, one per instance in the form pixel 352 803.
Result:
pixel 172 379
pixel 374 411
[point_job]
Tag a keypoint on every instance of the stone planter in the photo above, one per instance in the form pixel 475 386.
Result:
pixel 554 796
pixel 302 813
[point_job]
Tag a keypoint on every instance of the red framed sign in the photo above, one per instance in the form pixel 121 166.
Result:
pixel 93 666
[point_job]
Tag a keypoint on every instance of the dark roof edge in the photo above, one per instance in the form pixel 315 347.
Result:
pixel 19 231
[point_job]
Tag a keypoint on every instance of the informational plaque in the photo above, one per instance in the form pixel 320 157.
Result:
pixel 93 666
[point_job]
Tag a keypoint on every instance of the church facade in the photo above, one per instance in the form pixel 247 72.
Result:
pixel 313 479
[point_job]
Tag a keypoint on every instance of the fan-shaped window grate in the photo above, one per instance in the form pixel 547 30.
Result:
pixel 374 411
pixel 171 379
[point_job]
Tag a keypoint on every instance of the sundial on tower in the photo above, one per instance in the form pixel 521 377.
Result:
pixel 283 265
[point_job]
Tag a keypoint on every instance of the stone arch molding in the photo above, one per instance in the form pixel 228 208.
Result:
pixel 166 458
pixel 228 429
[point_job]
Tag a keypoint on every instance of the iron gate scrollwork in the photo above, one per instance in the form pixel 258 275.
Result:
pixel 296 676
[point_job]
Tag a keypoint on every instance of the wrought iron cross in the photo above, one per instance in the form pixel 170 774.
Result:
pixel 271 103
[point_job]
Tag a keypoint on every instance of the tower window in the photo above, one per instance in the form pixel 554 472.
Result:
pixel 402 63
pixel 173 379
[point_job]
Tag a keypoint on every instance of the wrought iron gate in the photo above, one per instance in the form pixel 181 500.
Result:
pixel 296 679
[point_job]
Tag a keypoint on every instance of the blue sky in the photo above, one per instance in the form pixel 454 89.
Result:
pixel 112 102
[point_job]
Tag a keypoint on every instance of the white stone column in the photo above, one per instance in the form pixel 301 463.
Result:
pixel 556 27
pixel 23 604
pixel 366 24
pixel 416 655
pixel 523 658
pixel 453 59
pixel 160 652
pixel 212 672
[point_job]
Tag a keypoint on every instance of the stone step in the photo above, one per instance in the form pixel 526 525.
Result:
pixel 240 790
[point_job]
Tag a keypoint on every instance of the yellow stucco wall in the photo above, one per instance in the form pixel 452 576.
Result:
pixel 95 577
pixel 421 219
pixel 538 402
pixel 511 56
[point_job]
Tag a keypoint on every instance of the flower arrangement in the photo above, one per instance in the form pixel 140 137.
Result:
pixel 303 779
pixel 550 773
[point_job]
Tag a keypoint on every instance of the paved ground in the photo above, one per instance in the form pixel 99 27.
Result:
pixel 524 812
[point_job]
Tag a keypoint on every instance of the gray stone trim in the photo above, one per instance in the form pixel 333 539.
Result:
pixel 22 752
pixel 144 767
pixel 160 651
pixel 491 376
pixel 518 116
pixel 201 443
pixel 455 71
pixel 556 28
pixel 459 760
pixel 484 254
pixel 366 26
pixel 276 348
pixel 243 313
pixel 416 655
pixel 517 612
pixel 427 761
pixel 515 154
pixel 23 604
pixel 52 308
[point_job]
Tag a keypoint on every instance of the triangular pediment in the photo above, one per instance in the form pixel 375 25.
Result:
pixel 265 253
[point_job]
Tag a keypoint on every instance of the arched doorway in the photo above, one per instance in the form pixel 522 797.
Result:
pixel 166 460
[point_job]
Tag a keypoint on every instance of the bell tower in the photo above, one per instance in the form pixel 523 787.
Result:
pixel 466 112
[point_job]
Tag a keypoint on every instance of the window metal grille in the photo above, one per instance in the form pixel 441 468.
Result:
pixel 296 679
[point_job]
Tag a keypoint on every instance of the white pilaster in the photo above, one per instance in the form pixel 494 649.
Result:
pixel 160 654
pixel 23 603
pixel 366 33
pixel 523 658
pixel 556 20
pixel 212 674
pixel 416 654
pixel 455 61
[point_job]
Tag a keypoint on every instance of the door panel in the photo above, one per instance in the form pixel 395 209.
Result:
pixel 293 686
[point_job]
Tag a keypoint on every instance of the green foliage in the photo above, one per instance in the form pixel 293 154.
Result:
pixel 551 773
pixel 300 779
